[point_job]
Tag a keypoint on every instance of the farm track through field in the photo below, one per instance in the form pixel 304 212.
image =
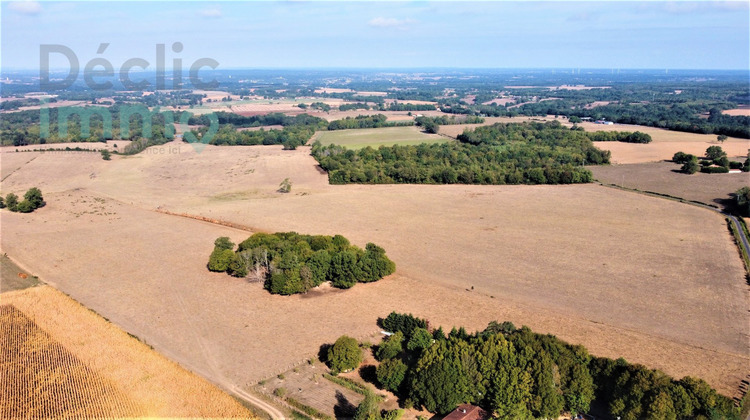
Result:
pixel 19 168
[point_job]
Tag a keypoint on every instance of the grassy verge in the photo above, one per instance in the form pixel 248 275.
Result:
pixel 347 383
pixel 307 409
pixel 738 240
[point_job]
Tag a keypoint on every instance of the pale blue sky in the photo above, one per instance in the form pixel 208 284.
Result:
pixel 292 34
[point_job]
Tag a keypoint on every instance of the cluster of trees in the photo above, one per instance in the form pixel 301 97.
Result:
pixel 528 153
pixel 86 124
pixel 321 106
pixel 354 106
pixel 432 124
pixel 293 263
pixel 714 161
pixel 623 136
pixel 275 118
pixel 32 200
pixel 291 136
pixel 448 163
pixel 450 120
pixel 516 373
pixel 396 106
pixel 742 200
pixel 366 121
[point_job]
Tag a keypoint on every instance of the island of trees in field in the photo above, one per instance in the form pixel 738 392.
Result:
pixel 518 374
pixel 715 161
pixel 526 153
pixel 292 263
pixel 32 200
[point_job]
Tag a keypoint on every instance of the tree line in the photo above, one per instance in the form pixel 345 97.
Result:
pixel 86 124
pixel 292 263
pixel 516 373
pixel 275 118
pixel 622 136
pixel 291 136
pixel 366 121
pixel 528 153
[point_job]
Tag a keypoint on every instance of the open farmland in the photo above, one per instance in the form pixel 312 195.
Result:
pixel 374 137
pixel 59 359
pixel 665 178
pixel 556 258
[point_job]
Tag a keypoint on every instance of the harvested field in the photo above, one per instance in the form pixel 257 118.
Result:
pixel 375 137
pixel 42 379
pixel 662 177
pixel 556 258
pixel 392 115
pixel 596 104
pixel 332 90
pixel 741 110
pixel 500 101
pixel 61 360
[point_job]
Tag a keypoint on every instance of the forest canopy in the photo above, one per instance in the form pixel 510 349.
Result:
pixel 516 373
pixel 527 153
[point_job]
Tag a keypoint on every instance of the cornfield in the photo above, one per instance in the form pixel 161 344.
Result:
pixel 39 378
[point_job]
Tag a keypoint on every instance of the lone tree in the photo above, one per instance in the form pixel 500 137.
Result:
pixel 691 166
pixel 11 201
pixel 34 196
pixel 285 186
pixel 344 355
pixel 714 152
pixel 721 138
pixel 106 155
pixel 742 198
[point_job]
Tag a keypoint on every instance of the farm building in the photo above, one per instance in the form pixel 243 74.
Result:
pixel 467 412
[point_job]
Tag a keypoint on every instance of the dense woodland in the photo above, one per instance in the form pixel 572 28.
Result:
pixel 518 374
pixel 528 153
pixel 366 121
pixel 292 263
pixel 28 127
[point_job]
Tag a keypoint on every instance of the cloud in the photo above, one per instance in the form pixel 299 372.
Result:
pixel 25 7
pixel 210 13
pixel 381 22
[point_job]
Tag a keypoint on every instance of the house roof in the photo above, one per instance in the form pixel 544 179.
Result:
pixel 466 412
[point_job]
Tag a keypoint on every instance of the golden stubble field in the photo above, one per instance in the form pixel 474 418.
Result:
pixel 653 281
pixel 59 359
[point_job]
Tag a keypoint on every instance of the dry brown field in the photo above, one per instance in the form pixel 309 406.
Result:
pixel 369 93
pixel 665 178
pixel 741 110
pixel 59 359
pixel 556 258
pixel 332 90
pixel 499 101
pixel 58 104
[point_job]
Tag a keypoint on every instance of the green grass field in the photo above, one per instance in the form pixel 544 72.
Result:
pixel 375 137
pixel 9 279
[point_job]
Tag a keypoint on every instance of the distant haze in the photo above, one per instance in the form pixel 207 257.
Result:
pixel 294 34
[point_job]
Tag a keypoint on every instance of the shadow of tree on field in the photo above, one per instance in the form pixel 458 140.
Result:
pixel 343 408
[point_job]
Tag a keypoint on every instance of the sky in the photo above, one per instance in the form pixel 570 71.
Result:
pixel 415 34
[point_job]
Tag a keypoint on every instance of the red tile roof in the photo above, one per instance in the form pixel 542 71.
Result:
pixel 467 412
